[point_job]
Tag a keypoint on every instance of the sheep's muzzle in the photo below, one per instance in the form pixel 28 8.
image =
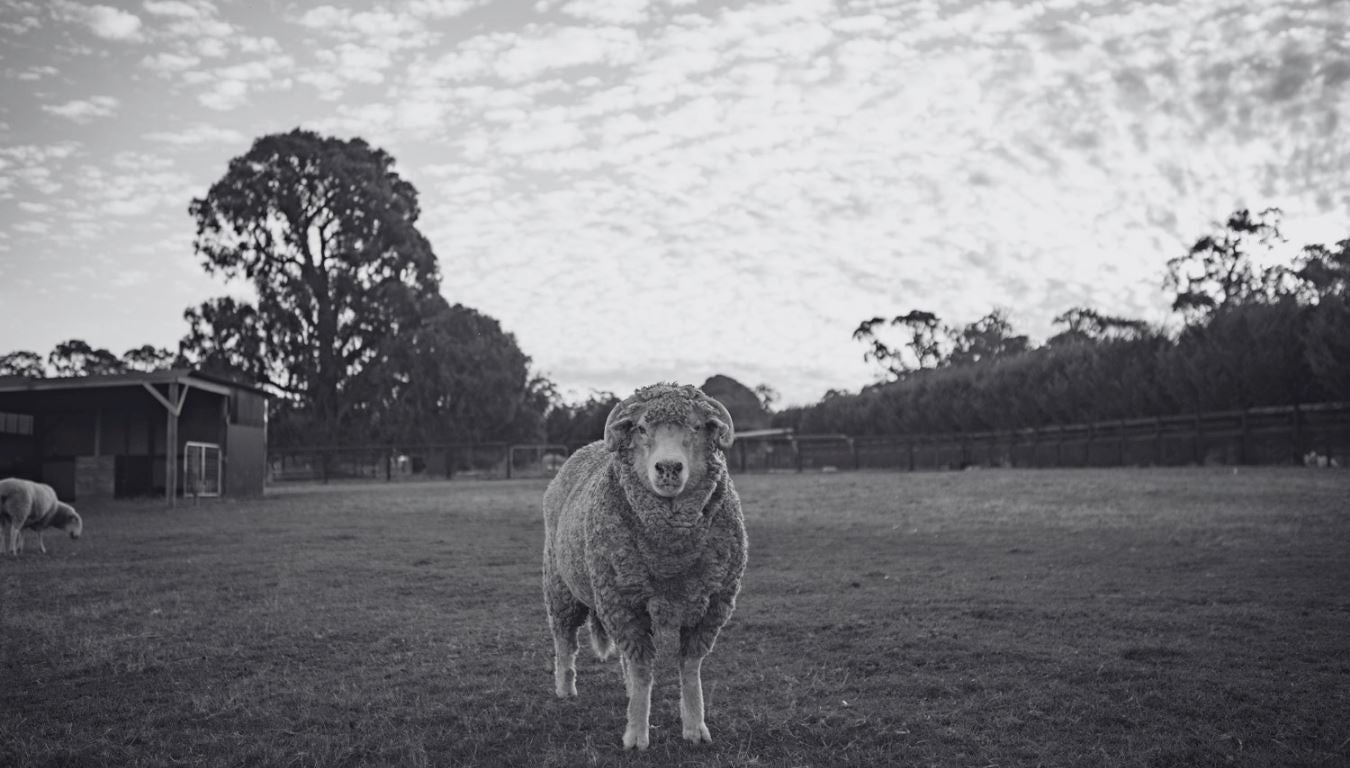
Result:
pixel 668 460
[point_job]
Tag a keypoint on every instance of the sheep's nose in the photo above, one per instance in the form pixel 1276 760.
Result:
pixel 671 469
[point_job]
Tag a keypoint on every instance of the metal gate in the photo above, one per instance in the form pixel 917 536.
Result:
pixel 201 469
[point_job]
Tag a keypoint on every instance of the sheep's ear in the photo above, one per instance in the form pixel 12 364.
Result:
pixel 719 422
pixel 722 432
pixel 616 432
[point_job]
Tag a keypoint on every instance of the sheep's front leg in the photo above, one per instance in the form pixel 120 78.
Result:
pixel 41 546
pixel 638 679
pixel 691 701
pixel 697 642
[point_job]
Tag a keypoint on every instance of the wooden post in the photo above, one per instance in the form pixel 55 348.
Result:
pixel 171 448
pixel 1242 439
pixel 1158 442
pixel 1298 435
pixel 1198 444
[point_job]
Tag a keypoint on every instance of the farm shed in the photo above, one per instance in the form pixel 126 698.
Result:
pixel 104 436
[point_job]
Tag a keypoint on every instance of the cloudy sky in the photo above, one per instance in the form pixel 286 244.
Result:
pixel 651 190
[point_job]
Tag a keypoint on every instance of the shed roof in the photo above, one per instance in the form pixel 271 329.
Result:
pixel 199 379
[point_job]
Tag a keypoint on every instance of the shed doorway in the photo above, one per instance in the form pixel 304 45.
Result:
pixel 201 469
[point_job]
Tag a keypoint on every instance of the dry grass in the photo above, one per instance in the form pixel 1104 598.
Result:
pixel 995 618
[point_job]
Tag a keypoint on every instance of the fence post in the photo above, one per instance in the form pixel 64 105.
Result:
pixel 912 440
pixel 1198 443
pixel 1121 426
pixel 388 465
pixel 1298 435
pixel 1158 442
pixel 853 448
pixel 797 448
pixel 1242 439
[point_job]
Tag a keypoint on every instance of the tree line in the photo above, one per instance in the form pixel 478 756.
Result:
pixel 346 327
pixel 1248 337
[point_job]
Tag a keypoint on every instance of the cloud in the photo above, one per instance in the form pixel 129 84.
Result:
pixel 104 21
pixel 178 9
pixel 380 27
pixel 84 110
pixel 530 56
pixel 442 9
pixel 37 73
pixel 204 133
pixel 135 184
pixel 166 63
pixel 228 87
pixel 617 12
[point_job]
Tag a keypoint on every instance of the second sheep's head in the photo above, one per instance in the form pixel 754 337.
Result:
pixel 671 433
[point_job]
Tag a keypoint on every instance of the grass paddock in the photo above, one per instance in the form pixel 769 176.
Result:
pixel 1166 617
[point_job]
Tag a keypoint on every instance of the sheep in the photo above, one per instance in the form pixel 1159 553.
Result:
pixel 642 532
pixel 25 504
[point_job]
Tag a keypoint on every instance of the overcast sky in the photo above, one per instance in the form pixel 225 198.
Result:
pixel 650 190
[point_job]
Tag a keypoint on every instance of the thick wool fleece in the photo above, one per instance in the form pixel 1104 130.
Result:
pixel 33 506
pixel 636 561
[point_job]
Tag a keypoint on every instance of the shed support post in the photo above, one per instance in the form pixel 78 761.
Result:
pixel 171 449
pixel 173 406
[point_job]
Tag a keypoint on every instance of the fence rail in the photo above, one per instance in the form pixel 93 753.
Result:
pixel 1317 433
pixel 1271 435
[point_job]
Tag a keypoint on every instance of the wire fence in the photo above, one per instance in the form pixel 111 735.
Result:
pixel 1317 435
pixel 1311 434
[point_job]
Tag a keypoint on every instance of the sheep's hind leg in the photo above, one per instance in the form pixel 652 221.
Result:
pixel 691 701
pixel 566 614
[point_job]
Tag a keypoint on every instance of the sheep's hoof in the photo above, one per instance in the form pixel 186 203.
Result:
pixel 697 734
pixel 569 692
pixel 634 740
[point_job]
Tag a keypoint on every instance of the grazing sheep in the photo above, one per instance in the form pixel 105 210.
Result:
pixel 643 531
pixel 26 505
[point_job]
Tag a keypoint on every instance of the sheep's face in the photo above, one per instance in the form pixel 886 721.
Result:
pixel 69 521
pixel 669 455
pixel 669 436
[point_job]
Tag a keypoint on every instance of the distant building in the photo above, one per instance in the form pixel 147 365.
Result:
pixel 104 436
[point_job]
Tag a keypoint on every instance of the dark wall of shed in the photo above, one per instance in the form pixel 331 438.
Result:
pixel 246 460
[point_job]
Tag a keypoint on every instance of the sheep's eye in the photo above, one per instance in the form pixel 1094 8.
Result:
pixel 642 429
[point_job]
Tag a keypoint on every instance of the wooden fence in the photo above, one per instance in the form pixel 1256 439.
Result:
pixel 1274 435
pixel 1277 435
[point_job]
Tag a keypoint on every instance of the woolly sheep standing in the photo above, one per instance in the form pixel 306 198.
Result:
pixel 643 530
